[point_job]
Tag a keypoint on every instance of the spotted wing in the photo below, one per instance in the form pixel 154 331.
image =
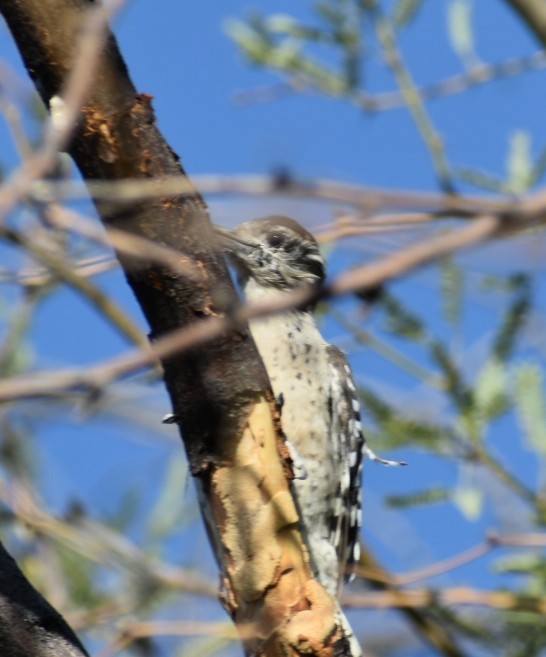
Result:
pixel 348 443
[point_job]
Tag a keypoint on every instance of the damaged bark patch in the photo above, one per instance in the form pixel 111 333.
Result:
pixel 258 508
pixel 269 588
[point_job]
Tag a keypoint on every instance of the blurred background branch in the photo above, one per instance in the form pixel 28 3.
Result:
pixel 437 295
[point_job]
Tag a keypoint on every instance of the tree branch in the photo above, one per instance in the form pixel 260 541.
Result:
pixel 384 101
pixel 532 12
pixel 527 214
pixel 29 625
pixel 457 595
pixel 428 627
pixel 220 393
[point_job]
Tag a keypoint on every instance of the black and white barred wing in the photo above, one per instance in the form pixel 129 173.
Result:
pixel 348 450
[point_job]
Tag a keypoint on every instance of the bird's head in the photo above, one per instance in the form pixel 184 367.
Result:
pixel 275 252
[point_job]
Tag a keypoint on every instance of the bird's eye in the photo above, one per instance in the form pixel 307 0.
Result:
pixel 275 240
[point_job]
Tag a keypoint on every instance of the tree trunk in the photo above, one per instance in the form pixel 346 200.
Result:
pixel 220 394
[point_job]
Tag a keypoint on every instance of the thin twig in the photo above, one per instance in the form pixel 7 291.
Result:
pixel 414 101
pixel 389 353
pixel 15 332
pixel 367 199
pixel 372 275
pixel 57 133
pixel 461 595
pixel 91 292
pixel 426 624
pixel 99 543
pixel 485 458
pixel 133 630
pixel 492 542
pixel 40 276
pixel 477 75
pixel 124 242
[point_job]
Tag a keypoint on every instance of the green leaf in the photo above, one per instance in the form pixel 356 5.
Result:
pixel 470 424
pixel 490 390
pixel 254 44
pixel 530 405
pixel 482 180
pixel 539 167
pixel 80 577
pixel 519 162
pixel 469 501
pixel 395 430
pixel 279 42
pixel 468 495
pixel 330 12
pixel 127 510
pixel 521 564
pixel 459 23
pixel 283 24
pixel 399 320
pixel 286 25
pixel 452 290
pixel 18 453
pixel 514 319
pixel 405 11
pixel 460 393
pixel 420 498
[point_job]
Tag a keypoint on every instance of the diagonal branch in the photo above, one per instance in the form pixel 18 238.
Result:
pixel 219 391
pixel 532 212
pixel 427 626
pixel 30 625
pixel 532 12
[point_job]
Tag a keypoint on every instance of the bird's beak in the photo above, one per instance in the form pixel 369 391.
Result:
pixel 233 245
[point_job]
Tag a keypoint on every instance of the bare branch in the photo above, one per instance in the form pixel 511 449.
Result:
pixel 74 79
pixel 493 541
pixel 101 301
pixel 97 542
pixel 476 75
pixel 43 632
pixel 462 595
pixel 531 213
pixel 532 12
pixel 413 100
pixel 367 199
pixel 427 625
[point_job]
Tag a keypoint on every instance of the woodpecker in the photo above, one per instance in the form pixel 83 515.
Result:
pixel 320 409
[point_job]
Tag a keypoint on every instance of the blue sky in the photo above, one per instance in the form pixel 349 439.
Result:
pixel 180 54
pixel 186 61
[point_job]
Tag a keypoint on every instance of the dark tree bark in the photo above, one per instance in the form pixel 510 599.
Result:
pixel 533 12
pixel 29 626
pixel 220 393
pixel 117 139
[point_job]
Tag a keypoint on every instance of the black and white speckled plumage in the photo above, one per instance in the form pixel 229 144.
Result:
pixel 321 414
pixel 347 430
